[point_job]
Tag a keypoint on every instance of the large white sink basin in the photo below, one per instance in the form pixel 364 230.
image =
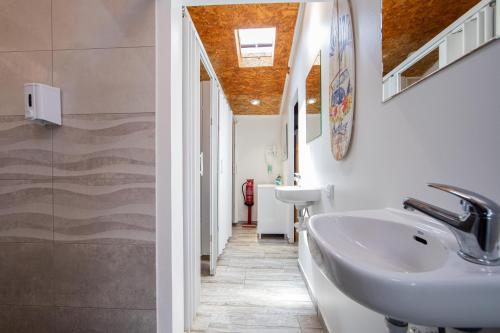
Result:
pixel 379 259
pixel 300 196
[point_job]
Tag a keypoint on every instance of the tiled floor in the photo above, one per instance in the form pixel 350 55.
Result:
pixel 257 289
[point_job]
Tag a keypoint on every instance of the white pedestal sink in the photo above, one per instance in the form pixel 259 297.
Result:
pixel 405 266
pixel 300 196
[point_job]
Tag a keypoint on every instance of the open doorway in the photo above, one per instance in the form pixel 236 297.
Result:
pixel 205 169
pixel 209 180
pixel 247 50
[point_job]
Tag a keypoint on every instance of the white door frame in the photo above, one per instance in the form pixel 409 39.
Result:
pixel 214 175
pixel 169 169
pixel 194 53
pixel 192 166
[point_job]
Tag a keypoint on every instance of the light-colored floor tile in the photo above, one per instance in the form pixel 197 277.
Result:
pixel 313 330
pixel 309 322
pixel 257 288
pixel 255 319
pixel 266 275
pixel 225 278
pixel 250 329
pixel 202 322
pixel 295 309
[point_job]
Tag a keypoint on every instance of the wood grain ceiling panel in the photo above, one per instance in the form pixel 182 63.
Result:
pixel 216 25
pixel 408 24
pixel 204 76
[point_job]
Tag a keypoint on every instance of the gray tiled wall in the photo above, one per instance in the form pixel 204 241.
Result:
pixel 77 215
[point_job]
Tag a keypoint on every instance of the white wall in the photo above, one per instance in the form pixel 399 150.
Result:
pixel 254 134
pixel 445 129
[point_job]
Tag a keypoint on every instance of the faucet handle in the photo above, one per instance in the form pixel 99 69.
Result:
pixel 296 178
pixel 466 206
pixel 470 201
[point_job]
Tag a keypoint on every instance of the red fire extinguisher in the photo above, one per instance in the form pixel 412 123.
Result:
pixel 247 192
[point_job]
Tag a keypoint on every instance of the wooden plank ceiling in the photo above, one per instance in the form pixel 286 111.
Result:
pixel 216 25
pixel 204 76
pixel 408 24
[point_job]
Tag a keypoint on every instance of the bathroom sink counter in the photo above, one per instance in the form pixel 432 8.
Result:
pixel 406 266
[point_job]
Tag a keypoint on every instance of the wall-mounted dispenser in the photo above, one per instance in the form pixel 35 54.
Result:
pixel 42 103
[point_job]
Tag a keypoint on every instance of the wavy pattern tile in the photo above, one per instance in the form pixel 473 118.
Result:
pixel 25 211
pixel 104 179
pixel 25 149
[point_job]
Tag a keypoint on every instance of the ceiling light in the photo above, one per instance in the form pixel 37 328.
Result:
pixel 311 101
pixel 255 101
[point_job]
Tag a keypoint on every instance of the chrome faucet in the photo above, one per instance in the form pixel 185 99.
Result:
pixel 296 178
pixel 476 229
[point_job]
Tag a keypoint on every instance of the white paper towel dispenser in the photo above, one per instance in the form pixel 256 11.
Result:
pixel 42 103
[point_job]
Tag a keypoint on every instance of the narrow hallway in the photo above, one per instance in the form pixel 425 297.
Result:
pixel 258 288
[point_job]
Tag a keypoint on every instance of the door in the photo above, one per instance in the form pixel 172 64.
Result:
pixel 295 158
pixel 210 174
pixel 214 176
pixel 205 158
pixel 233 170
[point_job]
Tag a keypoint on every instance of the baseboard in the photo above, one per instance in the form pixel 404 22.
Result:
pixel 322 320
pixel 313 298
pixel 308 286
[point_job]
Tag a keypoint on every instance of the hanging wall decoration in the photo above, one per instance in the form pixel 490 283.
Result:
pixel 342 78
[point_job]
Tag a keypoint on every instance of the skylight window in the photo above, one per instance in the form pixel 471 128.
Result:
pixel 255 46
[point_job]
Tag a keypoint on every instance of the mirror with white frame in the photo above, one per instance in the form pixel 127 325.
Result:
pixel 313 100
pixel 284 142
pixel 421 37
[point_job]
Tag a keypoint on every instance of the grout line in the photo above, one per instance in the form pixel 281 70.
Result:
pixel 152 245
pixel 52 151
pixel 52 180
pixel 80 49
pixel 41 242
pixel 53 205
pixel 25 51
pixel 102 308
pixel 44 179
pixel 59 243
pixel 52 41
pixel 109 113
pixel 106 48
pixel 76 307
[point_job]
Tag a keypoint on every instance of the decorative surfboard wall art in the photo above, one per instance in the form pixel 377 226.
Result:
pixel 342 78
